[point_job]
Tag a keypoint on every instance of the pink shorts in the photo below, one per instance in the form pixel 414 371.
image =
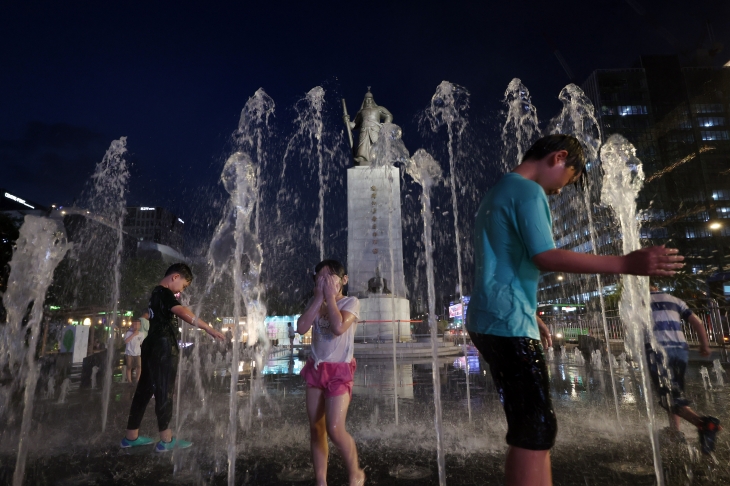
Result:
pixel 334 378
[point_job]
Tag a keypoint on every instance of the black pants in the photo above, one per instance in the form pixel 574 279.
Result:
pixel 159 370
pixel 518 369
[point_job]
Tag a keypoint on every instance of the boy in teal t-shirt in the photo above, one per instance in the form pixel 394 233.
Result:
pixel 513 242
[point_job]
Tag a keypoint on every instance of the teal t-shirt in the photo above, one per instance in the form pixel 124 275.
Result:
pixel 513 225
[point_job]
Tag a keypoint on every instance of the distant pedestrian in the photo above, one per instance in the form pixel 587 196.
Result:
pixel 133 351
pixel 160 355
pixel 292 334
pixel 144 320
pixel 668 364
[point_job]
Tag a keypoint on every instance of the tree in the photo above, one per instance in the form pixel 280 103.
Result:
pixel 139 277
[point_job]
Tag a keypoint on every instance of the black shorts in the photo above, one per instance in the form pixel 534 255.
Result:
pixel 667 375
pixel 517 365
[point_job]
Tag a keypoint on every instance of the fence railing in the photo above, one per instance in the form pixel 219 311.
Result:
pixel 714 319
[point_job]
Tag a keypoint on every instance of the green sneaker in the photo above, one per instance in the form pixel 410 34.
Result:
pixel 173 444
pixel 139 441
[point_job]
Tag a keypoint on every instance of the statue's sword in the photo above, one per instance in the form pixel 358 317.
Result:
pixel 346 119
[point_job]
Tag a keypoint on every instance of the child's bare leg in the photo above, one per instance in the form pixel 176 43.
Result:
pixel 166 435
pixel 526 467
pixel 689 415
pixel 129 369
pixel 318 434
pixel 336 413
pixel 132 434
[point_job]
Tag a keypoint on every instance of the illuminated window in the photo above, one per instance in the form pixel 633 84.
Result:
pixel 711 121
pixel 707 108
pixel 693 232
pixel 723 212
pixel 654 233
pixel 721 195
pixel 632 110
pixel 715 135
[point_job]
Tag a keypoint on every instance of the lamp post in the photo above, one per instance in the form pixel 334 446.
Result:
pixel 716 226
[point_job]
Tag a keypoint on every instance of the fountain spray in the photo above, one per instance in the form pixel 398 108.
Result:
pixel 521 128
pixel 578 118
pixel 427 173
pixel 309 141
pixel 39 249
pixel 623 179
pixel 448 104
pixel 108 203
pixel 387 151
pixel 240 179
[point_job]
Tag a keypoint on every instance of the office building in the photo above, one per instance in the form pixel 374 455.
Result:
pixel 678 118
pixel 156 225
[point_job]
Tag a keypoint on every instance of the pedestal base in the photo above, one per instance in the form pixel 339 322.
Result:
pixel 379 312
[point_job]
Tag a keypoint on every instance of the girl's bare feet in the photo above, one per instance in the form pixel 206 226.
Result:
pixel 359 479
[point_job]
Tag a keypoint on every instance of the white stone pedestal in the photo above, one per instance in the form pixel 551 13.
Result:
pixel 374 236
pixel 379 311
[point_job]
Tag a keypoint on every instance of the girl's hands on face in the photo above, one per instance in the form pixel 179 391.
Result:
pixel 318 286
pixel 331 285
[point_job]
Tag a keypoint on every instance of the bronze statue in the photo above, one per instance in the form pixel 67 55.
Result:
pixel 377 284
pixel 368 122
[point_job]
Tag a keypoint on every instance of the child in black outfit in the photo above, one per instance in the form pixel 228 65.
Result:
pixel 160 354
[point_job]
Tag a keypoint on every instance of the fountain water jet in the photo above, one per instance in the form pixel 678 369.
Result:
pixel 521 128
pixel 39 249
pixel 622 181
pixel 388 151
pixel 578 118
pixel 107 201
pixel 427 172
pixel 719 371
pixel 448 105
pixel 308 140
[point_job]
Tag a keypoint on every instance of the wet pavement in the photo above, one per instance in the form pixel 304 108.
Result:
pixel 67 446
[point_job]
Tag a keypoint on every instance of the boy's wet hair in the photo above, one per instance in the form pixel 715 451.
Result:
pixel 336 267
pixel 553 143
pixel 182 269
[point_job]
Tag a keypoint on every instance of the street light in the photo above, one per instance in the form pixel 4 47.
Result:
pixel 560 277
pixel 715 225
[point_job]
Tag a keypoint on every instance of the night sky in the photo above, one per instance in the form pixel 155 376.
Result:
pixel 174 76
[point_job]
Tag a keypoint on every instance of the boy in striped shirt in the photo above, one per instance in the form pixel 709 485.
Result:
pixel 667 313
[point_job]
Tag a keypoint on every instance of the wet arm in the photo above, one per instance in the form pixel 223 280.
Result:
pixel 340 322
pixel 557 260
pixel 653 261
pixel 188 316
pixel 545 336
pixel 696 324
pixel 307 318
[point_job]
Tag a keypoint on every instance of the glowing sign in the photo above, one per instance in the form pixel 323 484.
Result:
pixel 455 310
pixel 145 208
pixel 18 200
pixel 183 222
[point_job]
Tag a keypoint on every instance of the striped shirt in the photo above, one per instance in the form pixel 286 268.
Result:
pixel 667 313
